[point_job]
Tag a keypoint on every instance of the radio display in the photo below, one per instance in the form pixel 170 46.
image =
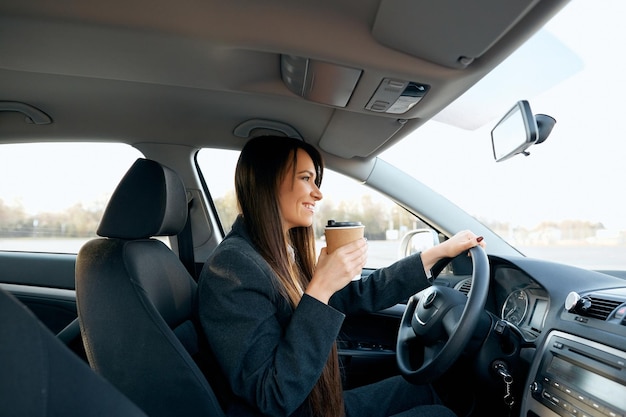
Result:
pixel 594 384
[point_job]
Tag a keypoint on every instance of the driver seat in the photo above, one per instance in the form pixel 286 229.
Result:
pixel 136 300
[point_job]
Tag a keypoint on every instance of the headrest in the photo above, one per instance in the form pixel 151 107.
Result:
pixel 150 200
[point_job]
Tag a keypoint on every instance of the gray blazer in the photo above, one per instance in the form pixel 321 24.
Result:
pixel 270 354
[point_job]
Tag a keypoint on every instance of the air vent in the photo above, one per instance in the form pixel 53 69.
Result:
pixel 601 308
pixel 464 286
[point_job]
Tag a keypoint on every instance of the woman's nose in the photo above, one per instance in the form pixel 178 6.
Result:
pixel 316 193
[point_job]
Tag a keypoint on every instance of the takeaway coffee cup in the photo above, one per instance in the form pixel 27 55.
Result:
pixel 340 233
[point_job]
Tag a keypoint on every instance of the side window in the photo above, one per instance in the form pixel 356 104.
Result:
pixel 344 200
pixel 53 194
pixel 218 170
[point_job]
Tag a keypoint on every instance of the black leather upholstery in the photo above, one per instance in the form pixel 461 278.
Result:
pixel 149 201
pixel 136 300
pixel 41 377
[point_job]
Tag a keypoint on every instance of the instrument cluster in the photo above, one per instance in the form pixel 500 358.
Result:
pixel 522 302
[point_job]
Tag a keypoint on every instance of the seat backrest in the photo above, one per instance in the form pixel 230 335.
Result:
pixel 136 300
pixel 41 377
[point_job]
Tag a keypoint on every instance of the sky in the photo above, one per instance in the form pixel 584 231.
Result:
pixel 576 174
pixel 579 171
pixel 38 189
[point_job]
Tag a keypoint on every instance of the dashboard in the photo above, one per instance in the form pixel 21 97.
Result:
pixel 572 323
pixel 521 301
pixel 518 299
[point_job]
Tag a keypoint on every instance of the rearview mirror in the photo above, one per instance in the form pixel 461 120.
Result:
pixel 518 130
pixel 515 133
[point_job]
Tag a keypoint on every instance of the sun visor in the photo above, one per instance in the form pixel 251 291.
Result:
pixel 367 134
pixel 423 28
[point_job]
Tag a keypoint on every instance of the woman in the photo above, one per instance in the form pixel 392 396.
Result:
pixel 272 313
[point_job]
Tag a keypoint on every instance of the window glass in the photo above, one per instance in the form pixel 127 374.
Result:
pixel 344 200
pixel 52 195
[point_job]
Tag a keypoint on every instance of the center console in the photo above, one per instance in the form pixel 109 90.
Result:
pixel 576 377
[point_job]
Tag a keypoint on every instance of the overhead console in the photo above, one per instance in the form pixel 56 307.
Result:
pixel 396 96
pixel 319 81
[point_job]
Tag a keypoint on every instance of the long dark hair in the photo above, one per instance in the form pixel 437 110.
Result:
pixel 263 164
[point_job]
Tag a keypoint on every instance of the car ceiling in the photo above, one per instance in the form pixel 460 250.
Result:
pixel 208 73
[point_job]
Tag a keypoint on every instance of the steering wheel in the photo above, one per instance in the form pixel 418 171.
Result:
pixel 442 320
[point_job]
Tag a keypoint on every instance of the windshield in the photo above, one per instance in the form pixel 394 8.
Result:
pixel 563 202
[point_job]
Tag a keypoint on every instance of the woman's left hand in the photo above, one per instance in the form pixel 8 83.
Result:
pixel 452 247
pixel 461 242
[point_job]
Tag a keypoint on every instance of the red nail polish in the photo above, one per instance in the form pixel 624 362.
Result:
pixel 479 239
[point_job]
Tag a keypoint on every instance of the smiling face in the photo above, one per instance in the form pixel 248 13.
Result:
pixel 298 192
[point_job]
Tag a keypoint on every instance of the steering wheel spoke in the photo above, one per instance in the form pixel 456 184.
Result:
pixel 452 318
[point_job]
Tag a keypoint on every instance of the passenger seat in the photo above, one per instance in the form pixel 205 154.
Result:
pixel 41 377
pixel 137 301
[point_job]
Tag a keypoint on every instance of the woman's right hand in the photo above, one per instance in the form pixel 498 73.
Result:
pixel 335 270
